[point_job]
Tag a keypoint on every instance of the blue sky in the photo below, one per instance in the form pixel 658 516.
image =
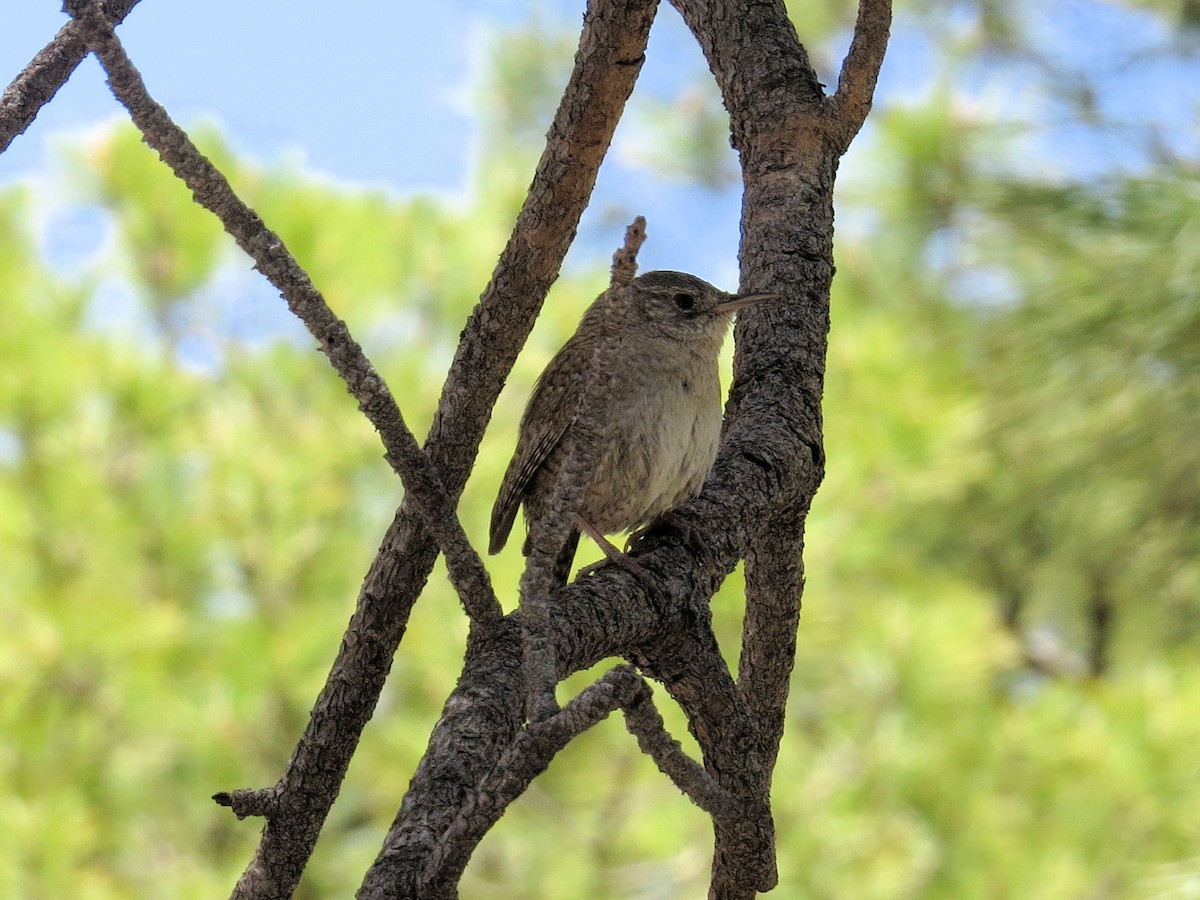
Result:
pixel 307 65
pixel 410 130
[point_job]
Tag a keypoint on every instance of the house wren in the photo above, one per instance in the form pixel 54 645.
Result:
pixel 662 419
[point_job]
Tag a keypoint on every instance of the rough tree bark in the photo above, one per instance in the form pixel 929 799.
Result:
pixel 789 136
pixel 486 748
pixel 39 81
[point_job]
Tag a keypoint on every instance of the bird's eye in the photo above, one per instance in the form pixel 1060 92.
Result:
pixel 684 301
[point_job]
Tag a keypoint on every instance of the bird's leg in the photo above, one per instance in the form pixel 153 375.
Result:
pixel 613 554
pixel 690 533
pixel 609 548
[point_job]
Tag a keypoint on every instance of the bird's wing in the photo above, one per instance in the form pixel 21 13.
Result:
pixel 551 410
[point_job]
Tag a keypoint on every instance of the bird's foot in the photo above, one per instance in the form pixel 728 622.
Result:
pixel 692 535
pixel 626 562
pixel 611 552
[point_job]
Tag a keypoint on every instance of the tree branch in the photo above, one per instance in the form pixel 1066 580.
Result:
pixel 526 758
pixel 789 144
pixel 646 724
pixel 769 466
pixel 481 719
pixel 611 613
pixel 690 666
pixel 586 436
pixel 774 584
pixel 611 52
pixel 740 37
pixel 212 191
pixel 860 68
pixel 768 469
pixel 39 81
pixel 250 802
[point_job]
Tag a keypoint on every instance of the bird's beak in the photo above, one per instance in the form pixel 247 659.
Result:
pixel 733 304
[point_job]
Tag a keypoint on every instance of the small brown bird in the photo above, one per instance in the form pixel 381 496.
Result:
pixel 663 414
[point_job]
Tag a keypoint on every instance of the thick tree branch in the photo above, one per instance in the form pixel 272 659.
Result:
pixel 860 68
pixel 789 144
pixel 480 756
pixel 690 665
pixel 611 613
pixel 212 191
pixel 39 81
pixel 481 719
pixel 739 37
pixel 526 758
pixel 774 584
pixel 531 753
pixel 594 619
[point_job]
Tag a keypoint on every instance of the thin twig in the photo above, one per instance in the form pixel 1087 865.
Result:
pixel 250 803
pixel 39 81
pixel 645 723
pixel 212 191
pixel 624 261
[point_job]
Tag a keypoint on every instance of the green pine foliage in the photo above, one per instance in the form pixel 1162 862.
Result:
pixel 189 500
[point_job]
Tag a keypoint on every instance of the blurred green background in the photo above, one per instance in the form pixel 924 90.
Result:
pixel 996 691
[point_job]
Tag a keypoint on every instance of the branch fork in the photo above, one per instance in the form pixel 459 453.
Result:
pixel 505 699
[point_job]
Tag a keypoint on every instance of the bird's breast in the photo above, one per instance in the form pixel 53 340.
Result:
pixel 667 426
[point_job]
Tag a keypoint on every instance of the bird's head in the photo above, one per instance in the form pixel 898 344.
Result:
pixel 683 307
